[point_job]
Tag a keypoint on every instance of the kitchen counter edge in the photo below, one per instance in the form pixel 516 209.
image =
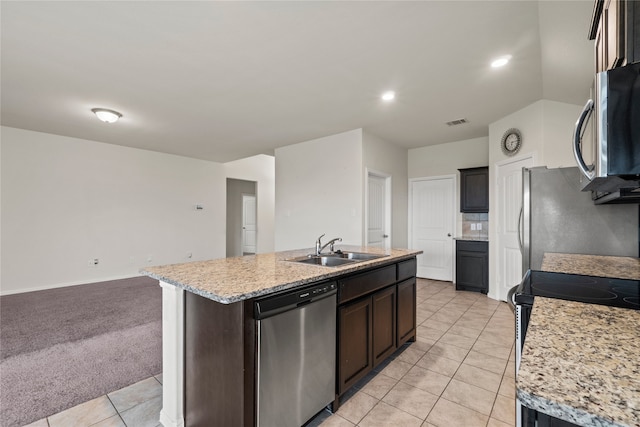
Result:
pixel 302 274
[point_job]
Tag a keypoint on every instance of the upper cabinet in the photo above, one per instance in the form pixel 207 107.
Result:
pixel 474 190
pixel 615 27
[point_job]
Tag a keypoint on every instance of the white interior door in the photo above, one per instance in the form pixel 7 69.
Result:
pixel 432 224
pixel 249 224
pixel 509 191
pixel 377 211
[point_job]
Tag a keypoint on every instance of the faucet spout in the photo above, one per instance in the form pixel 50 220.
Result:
pixel 330 243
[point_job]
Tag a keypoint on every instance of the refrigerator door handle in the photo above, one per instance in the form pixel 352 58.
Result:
pixel 520 242
pixel 577 140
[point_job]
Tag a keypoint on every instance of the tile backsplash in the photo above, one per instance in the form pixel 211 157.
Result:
pixel 475 225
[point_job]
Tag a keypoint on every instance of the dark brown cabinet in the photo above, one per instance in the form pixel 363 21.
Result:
pixel 472 266
pixel 406 295
pixel 376 314
pixel 354 342
pixel 615 27
pixel 384 324
pixel 474 190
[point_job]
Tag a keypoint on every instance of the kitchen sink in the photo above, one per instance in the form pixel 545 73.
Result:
pixel 336 259
pixel 327 261
pixel 358 256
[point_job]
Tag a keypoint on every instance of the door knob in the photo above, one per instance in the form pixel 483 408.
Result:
pixel 448 234
pixel 385 235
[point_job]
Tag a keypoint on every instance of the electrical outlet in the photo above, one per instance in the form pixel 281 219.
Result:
pixel 93 262
pixel 473 227
pixel 149 258
pixel 479 226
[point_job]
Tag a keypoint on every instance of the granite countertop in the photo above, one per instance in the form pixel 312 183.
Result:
pixel 229 280
pixel 581 363
pixel 472 238
pixel 592 265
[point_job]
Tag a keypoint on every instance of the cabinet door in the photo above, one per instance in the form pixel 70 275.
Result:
pixel 614 29
pixel 474 190
pixel 472 266
pixel 384 324
pixel 354 342
pixel 406 311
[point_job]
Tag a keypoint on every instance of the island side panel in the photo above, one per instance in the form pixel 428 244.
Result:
pixel 219 345
pixel 172 414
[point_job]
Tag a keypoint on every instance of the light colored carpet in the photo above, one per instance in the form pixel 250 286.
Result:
pixel 99 338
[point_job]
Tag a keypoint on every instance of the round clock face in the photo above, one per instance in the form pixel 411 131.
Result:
pixel 511 142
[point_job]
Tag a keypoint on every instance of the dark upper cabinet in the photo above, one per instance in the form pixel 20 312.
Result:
pixel 474 190
pixel 615 27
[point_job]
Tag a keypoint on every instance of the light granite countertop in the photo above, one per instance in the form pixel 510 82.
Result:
pixel 472 238
pixel 592 265
pixel 581 363
pixel 229 280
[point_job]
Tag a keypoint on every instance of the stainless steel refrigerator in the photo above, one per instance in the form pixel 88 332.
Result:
pixel 558 217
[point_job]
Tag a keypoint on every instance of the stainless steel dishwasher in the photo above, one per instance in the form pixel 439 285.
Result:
pixel 296 355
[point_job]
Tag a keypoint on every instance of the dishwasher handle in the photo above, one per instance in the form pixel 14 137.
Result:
pixel 290 300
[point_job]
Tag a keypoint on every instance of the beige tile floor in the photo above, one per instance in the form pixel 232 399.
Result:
pixel 459 372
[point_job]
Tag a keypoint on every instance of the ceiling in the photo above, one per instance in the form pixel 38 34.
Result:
pixel 224 80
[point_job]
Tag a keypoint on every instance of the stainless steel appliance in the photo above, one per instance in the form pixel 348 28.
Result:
pixel 593 290
pixel 558 217
pixel 296 355
pixel 606 140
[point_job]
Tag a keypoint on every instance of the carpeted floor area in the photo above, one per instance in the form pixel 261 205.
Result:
pixel 65 346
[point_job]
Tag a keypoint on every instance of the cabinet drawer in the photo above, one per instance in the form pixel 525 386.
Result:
pixel 472 246
pixel 361 284
pixel 406 269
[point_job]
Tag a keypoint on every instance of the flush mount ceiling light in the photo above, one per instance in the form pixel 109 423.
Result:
pixel 107 116
pixel 500 62
pixel 388 96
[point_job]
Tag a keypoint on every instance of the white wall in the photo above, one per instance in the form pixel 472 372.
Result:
pixel 260 168
pixel 67 200
pixel 381 156
pixel 546 128
pixel 319 190
pixel 446 159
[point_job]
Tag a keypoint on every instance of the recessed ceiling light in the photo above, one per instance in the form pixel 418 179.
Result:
pixel 501 62
pixel 388 96
pixel 107 116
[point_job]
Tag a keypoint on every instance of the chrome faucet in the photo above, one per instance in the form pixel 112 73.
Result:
pixel 330 243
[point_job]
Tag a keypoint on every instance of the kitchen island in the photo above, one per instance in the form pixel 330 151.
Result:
pixel 208 309
pixel 581 363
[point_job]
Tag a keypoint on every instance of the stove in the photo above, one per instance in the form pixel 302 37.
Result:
pixel 623 293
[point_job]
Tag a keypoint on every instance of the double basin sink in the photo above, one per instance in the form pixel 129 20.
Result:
pixel 336 259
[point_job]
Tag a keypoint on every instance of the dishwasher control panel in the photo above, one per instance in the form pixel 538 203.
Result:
pixel 274 304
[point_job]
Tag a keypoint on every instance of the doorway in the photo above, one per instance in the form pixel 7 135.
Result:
pixel 432 225
pixel 378 215
pixel 242 224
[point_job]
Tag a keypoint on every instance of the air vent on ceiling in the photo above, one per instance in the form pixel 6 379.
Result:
pixel 457 122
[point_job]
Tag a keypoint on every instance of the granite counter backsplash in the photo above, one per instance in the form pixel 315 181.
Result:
pixel 592 265
pixel 229 280
pixel 581 363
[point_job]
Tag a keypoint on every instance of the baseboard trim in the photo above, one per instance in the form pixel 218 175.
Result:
pixel 63 285
pixel 168 422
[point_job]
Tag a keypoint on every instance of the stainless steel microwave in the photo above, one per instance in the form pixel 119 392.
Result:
pixel 606 141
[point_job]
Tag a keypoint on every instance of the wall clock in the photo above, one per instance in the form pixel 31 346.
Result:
pixel 511 141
